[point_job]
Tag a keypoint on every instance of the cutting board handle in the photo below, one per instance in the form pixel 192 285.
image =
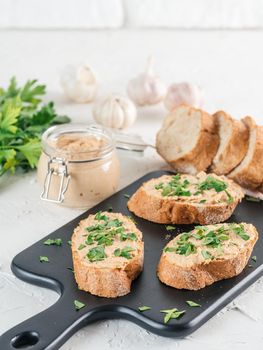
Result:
pixel 47 330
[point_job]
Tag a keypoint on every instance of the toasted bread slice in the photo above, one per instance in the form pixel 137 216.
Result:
pixel 186 199
pixel 207 254
pixel 188 139
pixel 107 253
pixel 233 135
pixel 249 173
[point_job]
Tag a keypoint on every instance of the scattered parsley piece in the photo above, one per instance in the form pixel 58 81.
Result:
pixel 99 216
pixel 56 241
pixel 125 252
pixel 230 199
pixel 170 228
pixel 81 246
pixel 110 209
pixel 172 313
pixel 192 303
pixel 206 254
pixel 240 231
pixel 69 242
pixel 144 308
pixel 252 199
pixel 96 254
pixel 130 236
pixel 254 258
pixel 43 259
pixel 212 183
pixel 202 201
pixel 70 269
pixel 78 305
pixel 126 195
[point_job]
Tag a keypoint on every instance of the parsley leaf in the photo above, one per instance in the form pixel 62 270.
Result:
pixel 78 305
pixel 170 228
pixel 192 303
pixel 43 259
pixel 144 308
pixel 96 254
pixel 56 241
pixel 172 313
pixel 125 252
pixel 212 183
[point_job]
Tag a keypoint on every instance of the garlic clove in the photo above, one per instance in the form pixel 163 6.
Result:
pixel 146 88
pixel 115 111
pixel 79 83
pixel 184 93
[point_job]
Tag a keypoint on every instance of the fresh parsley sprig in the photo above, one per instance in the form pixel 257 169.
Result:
pixel 22 121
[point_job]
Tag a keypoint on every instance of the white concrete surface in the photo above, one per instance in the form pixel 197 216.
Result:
pixel 131 13
pixel 228 65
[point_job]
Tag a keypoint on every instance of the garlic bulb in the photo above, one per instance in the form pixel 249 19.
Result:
pixel 79 83
pixel 146 88
pixel 115 111
pixel 183 93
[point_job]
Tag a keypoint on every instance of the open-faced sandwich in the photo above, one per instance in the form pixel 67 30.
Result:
pixel 185 199
pixel 107 253
pixel 207 254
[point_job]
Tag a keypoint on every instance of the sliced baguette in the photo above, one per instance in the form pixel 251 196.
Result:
pixel 108 275
pixel 249 173
pixel 233 135
pixel 206 207
pixel 188 139
pixel 188 263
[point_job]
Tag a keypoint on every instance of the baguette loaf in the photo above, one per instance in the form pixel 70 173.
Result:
pixel 107 253
pixel 249 173
pixel 207 254
pixel 233 135
pixel 188 139
pixel 185 199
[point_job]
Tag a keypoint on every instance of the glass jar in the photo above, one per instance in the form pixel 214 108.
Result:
pixel 78 166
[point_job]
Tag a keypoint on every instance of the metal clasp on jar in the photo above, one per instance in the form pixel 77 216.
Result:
pixel 56 167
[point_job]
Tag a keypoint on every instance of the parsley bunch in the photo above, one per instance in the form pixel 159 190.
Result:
pixel 22 121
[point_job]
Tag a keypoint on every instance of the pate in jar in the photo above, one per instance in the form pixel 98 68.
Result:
pixel 78 166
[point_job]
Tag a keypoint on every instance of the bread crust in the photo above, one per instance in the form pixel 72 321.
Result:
pixel 170 211
pixel 202 154
pixel 251 175
pixel 236 147
pixel 106 282
pixel 204 274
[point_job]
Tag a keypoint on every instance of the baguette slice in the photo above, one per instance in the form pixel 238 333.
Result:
pixel 249 173
pixel 188 139
pixel 107 253
pixel 233 145
pixel 189 261
pixel 186 204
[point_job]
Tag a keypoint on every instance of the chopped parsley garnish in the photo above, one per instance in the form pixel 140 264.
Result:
pixel 110 209
pixel 56 241
pixel 254 258
pixel 130 236
pixel 252 199
pixel 230 199
pixel 96 254
pixel 126 195
pixel 240 231
pixel 186 249
pixel 69 242
pixel 171 314
pixel 169 228
pixel 81 246
pixel 192 303
pixel 144 308
pixel 78 305
pixel 212 183
pixel 124 253
pixel 43 259
pixel 99 217
pixel 175 187
pixel 202 201
pixel 206 255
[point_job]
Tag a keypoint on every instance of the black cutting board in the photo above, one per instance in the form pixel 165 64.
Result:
pixel 52 327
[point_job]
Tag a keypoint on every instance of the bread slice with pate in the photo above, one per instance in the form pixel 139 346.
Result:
pixel 186 199
pixel 249 173
pixel 188 139
pixel 108 253
pixel 207 254
pixel 233 135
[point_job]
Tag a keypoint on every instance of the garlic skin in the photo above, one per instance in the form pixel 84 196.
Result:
pixel 146 88
pixel 184 93
pixel 79 83
pixel 116 111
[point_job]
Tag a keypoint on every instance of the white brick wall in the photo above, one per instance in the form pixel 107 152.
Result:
pixel 131 13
